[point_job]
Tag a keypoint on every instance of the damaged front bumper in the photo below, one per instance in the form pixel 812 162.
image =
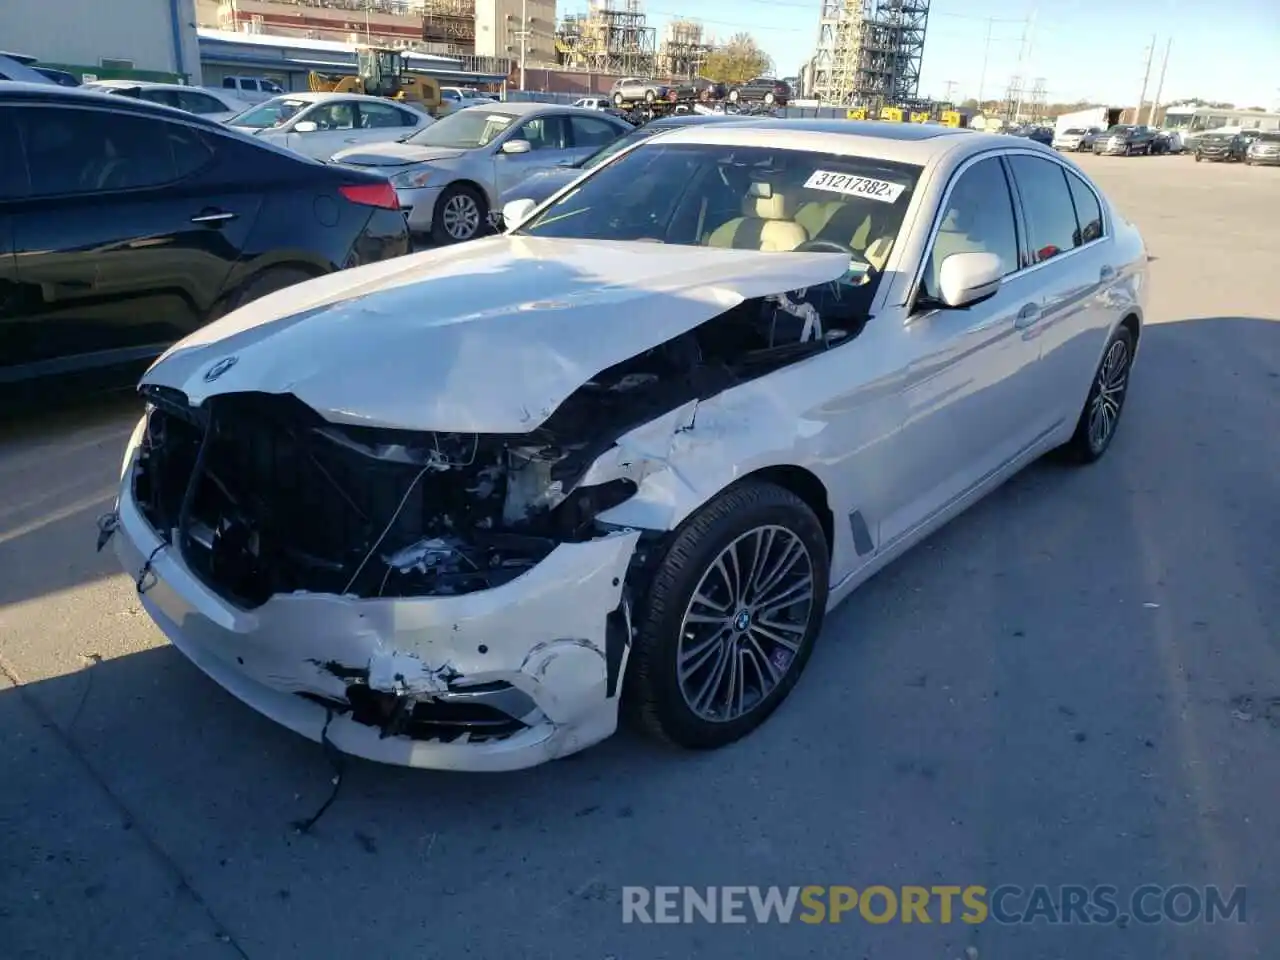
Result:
pixel 498 679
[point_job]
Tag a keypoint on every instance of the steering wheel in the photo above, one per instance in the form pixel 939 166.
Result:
pixel 825 246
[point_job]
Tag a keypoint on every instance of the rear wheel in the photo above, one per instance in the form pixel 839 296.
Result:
pixel 734 96
pixel 650 96
pixel 617 99
pixel 1101 414
pixel 769 98
pixel 460 213
pixel 731 618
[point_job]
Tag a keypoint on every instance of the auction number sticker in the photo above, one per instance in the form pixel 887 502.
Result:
pixel 854 186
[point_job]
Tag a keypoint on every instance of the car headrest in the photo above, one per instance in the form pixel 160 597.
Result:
pixel 777 206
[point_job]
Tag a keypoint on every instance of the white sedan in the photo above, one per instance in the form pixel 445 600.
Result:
pixel 318 125
pixel 464 508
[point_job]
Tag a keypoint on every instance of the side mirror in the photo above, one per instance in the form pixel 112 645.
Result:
pixel 517 146
pixel 305 126
pixel 515 212
pixel 968 278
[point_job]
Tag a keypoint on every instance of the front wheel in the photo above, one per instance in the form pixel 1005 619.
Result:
pixel 734 95
pixel 650 96
pixel 769 98
pixel 731 618
pixel 460 213
pixel 1101 414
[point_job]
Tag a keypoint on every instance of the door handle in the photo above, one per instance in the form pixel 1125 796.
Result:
pixel 214 216
pixel 1027 316
pixel 1107 274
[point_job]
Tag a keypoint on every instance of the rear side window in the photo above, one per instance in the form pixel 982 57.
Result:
pixel 13 171
pixel 77 151
pixel 1046 199
pixel 168 98
pixel 194 102
pixel 1088 210
pixel 378 115
pixel 590 132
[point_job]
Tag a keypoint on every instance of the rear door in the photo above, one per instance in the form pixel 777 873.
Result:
pixel 126 237
pixel 1072 258
pixel 381 122
pixel 589 134
pixel 13 185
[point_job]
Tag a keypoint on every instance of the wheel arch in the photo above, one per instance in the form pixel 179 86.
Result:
pixel 473 184
pixel 806 485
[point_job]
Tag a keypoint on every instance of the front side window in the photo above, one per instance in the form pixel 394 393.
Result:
pixel 273 113
pixel 767 199
pixel 340 115
pixel 545 133
pixel 74 151
pixel 1046 200
pixel 978 218
pixel 465 130
pixel 202 103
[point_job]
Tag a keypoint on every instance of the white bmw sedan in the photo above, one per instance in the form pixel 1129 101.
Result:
pixel 465 508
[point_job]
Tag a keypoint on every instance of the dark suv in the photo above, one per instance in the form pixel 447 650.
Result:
pixel 124 226
pixel 1220 147
pixel 765 90
pixel 1125 139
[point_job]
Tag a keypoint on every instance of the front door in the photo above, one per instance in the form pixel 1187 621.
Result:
pixel 969 371
pixel 335 129
pixel 550 144
pixel 125 239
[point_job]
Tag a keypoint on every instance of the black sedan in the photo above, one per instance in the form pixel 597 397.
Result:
pixel 767 90
pixel 125 225
pixel 1220 147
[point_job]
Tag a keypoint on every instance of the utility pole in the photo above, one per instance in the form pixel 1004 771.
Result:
pixel 1024 56
pixel 524 37
pixel 1146 78
pixel 951 85
pixel 986 57
pixel 1151 120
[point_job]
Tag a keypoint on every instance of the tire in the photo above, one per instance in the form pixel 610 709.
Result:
pixel 650 96
pixel 768 99
pixel 459 205
pixel 617 99
pixel 734 96
pixel 1085 446
pixel 746 515
pixel 268 281
pixel 1198 158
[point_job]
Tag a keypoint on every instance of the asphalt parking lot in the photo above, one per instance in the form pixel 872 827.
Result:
pixel 1077 682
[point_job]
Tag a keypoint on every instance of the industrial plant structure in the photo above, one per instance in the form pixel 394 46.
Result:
pixel 613 36
pixel 684 49
pixel 869 52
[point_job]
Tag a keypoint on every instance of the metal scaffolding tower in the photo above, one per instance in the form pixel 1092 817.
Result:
pixel 869 51
pixel 451 22
pixel 835 62
pixel 613 37
pixel 683 50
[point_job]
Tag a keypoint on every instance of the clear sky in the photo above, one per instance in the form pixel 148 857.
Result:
pixel 1092 49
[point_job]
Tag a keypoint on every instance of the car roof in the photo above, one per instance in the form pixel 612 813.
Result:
pixel 901 142
pixel 528 108
pixel 53 93
pixel 693 119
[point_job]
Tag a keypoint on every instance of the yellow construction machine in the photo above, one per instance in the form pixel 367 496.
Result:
pixel 381 73
pixel 892 114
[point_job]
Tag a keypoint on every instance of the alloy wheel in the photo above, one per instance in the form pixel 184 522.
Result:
pixel 1113 380
pixel 744 625
pixel 461 217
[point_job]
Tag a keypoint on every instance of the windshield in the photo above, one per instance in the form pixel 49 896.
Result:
pixel 1075 131
pixel 1120 128
pixel 746 198
pixel 270 114
pixel 466 129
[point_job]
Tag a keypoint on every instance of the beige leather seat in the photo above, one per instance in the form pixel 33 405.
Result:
pixel 813 216
pixel 768 223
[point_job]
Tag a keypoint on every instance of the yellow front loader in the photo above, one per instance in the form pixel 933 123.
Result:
pixel 381 73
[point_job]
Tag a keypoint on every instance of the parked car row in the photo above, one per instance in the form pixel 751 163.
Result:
pixel 766 90
pixel 126 225
pixel 1261 147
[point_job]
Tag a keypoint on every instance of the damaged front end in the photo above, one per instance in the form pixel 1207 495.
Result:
pixel 434 592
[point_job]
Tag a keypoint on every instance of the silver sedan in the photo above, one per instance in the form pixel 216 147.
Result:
pixel 623 459
pixel 450 176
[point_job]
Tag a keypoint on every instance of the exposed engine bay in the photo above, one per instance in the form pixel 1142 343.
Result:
pixel 265 497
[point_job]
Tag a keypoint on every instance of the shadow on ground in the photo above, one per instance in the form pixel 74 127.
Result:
pixel 1048 691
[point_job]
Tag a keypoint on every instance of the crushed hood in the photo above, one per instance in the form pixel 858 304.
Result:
pixel 393 153
pixel 489 336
